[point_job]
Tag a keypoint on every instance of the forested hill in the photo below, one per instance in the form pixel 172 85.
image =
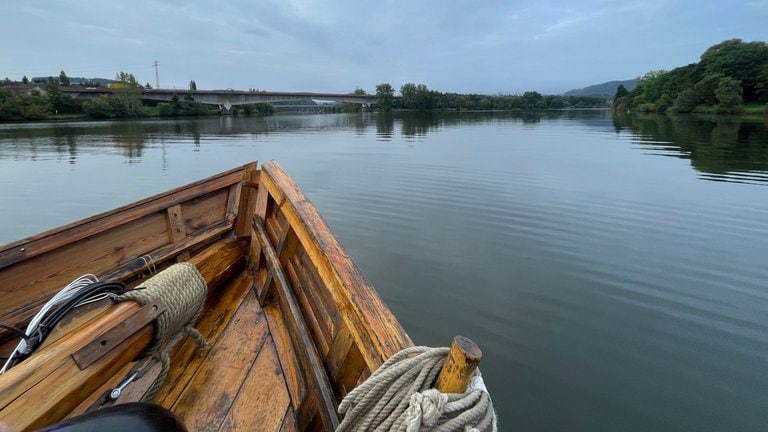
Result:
pixel 729 76
pixel 607 89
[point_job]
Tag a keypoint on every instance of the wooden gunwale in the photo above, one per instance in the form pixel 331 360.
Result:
pixel 114 257
pixel 47 241
pixel 375 328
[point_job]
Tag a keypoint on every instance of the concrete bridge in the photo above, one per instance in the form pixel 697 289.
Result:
pixel 226 99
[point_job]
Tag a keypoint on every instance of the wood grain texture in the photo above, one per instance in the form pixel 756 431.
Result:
pixel 263 399
pixel 208 398
pixel 308 357
pixel 111 245
pixel 375 330
pixel 462 361
pixel 54 381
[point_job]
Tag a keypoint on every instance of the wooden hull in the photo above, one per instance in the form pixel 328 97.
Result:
pixel 293 324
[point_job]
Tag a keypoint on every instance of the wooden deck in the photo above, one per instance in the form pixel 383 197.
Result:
pixel 238 382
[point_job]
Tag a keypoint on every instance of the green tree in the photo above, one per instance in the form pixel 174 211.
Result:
pixel 24 80
pixel 621 92
pixel 408 93
pixel 739 60
pixel 705 88
pixel 99 108
pixel 10 107
pixel 728 95
pixel 386 95
pixel 53 90
pixel 63 79
pixel 192 85
pixel 359 91
pixel 686 101
pixel 761 84
pixel 127 92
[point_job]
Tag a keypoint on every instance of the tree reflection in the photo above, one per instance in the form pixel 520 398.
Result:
pixel 728 148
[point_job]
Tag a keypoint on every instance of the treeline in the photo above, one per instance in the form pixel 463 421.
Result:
pixel 420 97
pixel 729 76
pixel 17 103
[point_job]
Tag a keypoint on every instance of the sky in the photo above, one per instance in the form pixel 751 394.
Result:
pixel 488 47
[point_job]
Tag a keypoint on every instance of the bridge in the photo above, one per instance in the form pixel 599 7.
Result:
pixel 226 99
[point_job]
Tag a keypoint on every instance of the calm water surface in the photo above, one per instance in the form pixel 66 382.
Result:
pixel 613 270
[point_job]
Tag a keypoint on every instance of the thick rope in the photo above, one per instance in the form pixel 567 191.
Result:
pixel 399 397
pixel 183 290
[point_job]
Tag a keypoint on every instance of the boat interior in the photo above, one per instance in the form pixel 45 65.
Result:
pixel 291 323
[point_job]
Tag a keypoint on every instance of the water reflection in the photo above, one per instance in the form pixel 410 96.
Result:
pixel 721 148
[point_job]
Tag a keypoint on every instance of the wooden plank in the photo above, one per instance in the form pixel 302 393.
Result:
pixel 117 335
pixel 219 261
pixel 206 210
pixel 26 374
pixel 352 369
pixel 289 421
pixel 269 282
pixel 309 358
pixel 294 377
pixel 29 287
pixel 186 360
pixel 315 322
pixel 208 398
pixel 376 330
pixel 54 381
pixel 247 201
pixel 263 398
pixel 50 240
pixel 57 396
pixel 118 238
pixel 176 228
pixel 260 212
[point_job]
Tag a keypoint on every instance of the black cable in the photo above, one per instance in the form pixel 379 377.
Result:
pixel 19 332
pixel 49 321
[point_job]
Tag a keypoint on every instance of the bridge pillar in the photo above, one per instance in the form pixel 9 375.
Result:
pixel 225 109
pixel 366 107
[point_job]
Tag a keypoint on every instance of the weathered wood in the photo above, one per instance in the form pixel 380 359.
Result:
pixel 54 381
pixel 116 335
pixel 373 326
pixel 47 364
pixel 187 359
pixel 289 421
pixel 176 227
pixel 305 347
pixel 247 200
pixel 281 366
pixel 122 251
pixel 58 237
pixel 462 361
pixel 294 378
pixel 263 398
pixel 260 211
pixel 208 398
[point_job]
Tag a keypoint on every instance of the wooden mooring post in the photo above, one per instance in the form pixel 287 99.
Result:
pixel 462 361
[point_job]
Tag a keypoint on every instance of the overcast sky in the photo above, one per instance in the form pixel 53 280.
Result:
pixel 491 47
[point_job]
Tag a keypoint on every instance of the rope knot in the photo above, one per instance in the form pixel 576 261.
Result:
pixel 425 408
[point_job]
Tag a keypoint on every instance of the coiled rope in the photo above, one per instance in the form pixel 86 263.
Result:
pixel 398 397
pixel 183 290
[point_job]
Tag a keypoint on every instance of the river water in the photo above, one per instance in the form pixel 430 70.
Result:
pixel 612 270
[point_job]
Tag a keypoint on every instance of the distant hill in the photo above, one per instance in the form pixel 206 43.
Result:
pixel 607 89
